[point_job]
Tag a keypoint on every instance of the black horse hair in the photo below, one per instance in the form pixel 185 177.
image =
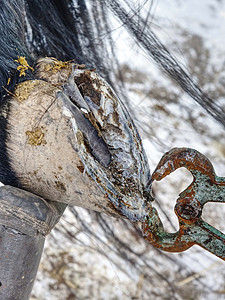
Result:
pixel 12 45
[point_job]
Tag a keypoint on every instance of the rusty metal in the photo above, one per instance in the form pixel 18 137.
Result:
pixel 206 187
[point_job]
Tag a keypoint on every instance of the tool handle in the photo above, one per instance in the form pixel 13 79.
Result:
pixel 25 220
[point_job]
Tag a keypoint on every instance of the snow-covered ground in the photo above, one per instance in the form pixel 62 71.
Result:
pixel 84 267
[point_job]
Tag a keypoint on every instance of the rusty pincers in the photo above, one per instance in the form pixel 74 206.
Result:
pixel 206 187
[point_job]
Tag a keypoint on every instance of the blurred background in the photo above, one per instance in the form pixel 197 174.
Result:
pixel 92 256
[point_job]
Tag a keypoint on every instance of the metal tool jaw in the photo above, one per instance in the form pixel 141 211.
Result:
pixel 206 187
